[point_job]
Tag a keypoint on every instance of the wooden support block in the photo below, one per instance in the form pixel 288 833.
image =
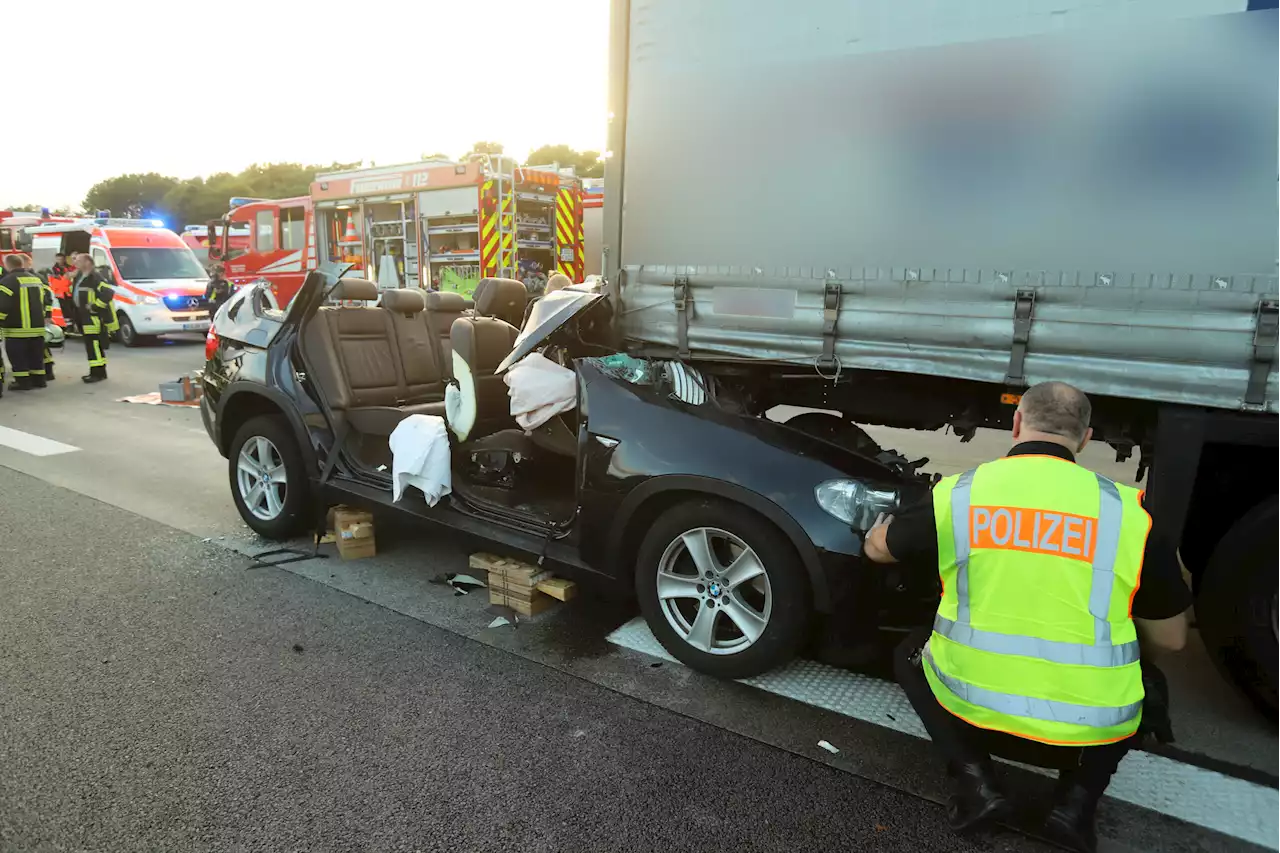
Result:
pixel 558 588
pixel 526 606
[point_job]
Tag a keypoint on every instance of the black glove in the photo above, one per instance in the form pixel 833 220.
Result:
pixel 1155 706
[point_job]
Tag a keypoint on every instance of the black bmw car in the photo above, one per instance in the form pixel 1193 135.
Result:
pixel 732 530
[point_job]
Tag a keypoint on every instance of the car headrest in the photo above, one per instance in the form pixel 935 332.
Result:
pixel 355 288
pixel 404 301
pixel 503 298
pixel 446 301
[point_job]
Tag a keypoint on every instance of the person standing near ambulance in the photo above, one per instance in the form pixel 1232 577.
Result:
pixel 60 275
pixel 46 299
pixel 22 321
pixel 1034 653
pixel 95 307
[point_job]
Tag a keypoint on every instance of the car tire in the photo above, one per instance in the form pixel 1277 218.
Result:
pixel 281 513
pixel 783 597
pixel 1236 605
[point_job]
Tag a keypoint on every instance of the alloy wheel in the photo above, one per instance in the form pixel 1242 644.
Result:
pixel 714 591
pixel 261 478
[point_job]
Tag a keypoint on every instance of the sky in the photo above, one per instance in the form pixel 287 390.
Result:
pixel 192 88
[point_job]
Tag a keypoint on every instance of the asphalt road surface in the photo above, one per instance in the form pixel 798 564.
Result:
pixel 160 689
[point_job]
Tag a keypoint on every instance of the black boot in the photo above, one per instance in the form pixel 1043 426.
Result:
pixel 20 384
pixel 976 797
pixel 96 374
pixel 1071 822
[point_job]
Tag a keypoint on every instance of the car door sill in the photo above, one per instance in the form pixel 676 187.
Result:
pixel 447 516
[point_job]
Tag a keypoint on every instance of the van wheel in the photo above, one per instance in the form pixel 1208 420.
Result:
pixel 722 589
pixel 269 482
pixel 1236 605
pixel 127 335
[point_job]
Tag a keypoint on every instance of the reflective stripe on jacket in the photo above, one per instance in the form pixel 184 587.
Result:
pixel 22 305
pixel 1039 560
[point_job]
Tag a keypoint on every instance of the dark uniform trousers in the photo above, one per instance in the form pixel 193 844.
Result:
pixel 96 341
pixel 26 356
pixel 1091 767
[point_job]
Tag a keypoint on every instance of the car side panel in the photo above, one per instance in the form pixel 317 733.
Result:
pixel 640 444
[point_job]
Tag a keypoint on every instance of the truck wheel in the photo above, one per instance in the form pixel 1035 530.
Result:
pixel 722 589
pixel 1236 605
pixel 836 430
pixel 269 482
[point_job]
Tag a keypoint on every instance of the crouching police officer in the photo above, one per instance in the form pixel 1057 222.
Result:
pixel 95 307
pixel 22 319
pixel 1034 653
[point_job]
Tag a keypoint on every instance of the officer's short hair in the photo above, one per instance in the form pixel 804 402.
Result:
pixel 13 262
pixel 1056 408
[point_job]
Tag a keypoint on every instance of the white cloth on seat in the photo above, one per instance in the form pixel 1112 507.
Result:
pixel 420 454
pixel 540 389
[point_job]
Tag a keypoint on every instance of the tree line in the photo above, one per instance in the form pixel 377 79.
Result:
pixel 195 201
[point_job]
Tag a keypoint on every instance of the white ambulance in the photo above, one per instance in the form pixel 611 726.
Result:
pixel 158 281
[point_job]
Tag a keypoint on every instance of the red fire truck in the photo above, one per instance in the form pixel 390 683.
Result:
pixel 435 224
pixel 12 222
pixel 201 237
pixel 269 240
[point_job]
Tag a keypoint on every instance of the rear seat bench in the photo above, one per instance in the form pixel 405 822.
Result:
pixel 376 366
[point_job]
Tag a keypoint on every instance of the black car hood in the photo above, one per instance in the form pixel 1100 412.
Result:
pixel 646 425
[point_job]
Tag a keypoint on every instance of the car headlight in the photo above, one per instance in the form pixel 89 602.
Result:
pixel 150 300
pixel 854 502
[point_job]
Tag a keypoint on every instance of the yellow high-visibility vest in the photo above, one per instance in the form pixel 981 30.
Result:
pixel 1039 560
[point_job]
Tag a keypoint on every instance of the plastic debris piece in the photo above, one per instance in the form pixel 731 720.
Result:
pixel 499 622
pixel 829 747
pixel 466 580
pixel 382 467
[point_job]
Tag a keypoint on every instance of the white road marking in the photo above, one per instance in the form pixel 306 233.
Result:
pixel 35 445
pixel 1221 803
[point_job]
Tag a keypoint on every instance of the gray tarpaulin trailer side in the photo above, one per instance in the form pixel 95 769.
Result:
pixel 961 199
pixel 930 180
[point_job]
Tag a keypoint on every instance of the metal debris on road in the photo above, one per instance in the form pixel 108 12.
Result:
pixel 829 747
pixel 460 584
pixel 499 622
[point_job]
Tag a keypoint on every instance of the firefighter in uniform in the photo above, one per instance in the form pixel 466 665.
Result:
pixel 1034 653
pixel 60 275
pixel 47 300
pixel 22 320
pixel 96 309
pixel 218 291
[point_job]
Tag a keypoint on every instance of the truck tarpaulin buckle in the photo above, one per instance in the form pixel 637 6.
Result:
pixel 683 302
pixel 830 313
pixel 1023 307
pixel 1266 330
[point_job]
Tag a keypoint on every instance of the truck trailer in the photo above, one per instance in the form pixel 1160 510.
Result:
pixel 909 217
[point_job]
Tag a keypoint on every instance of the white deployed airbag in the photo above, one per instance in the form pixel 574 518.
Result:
pixel 460 399
pixel 420 451
pixel 540 389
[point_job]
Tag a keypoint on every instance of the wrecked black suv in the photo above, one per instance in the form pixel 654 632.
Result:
pixel 731 529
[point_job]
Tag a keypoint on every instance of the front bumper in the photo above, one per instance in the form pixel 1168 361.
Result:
pixel 159 320
pixel 206 415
